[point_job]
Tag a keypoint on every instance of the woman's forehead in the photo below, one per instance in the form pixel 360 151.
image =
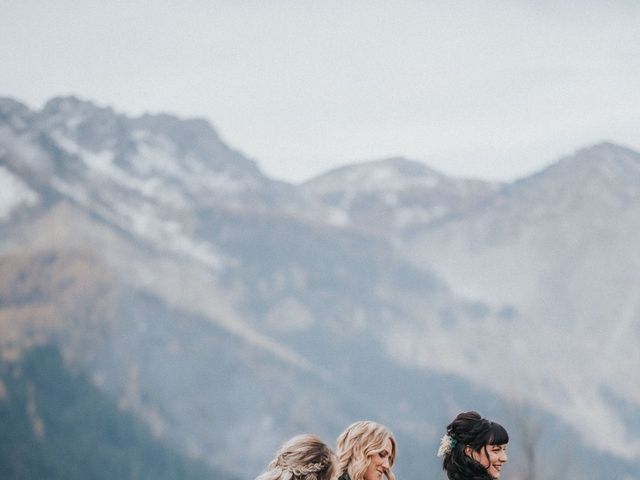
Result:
pixel 388 446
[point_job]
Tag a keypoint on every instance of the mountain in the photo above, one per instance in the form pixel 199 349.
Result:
pixel 560 248
pixel 52 420
pixel 395 196
pixel 200 314
pixel 229 311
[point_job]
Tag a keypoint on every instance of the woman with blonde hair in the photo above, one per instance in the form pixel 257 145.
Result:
pixel 366 451
pixel 303 457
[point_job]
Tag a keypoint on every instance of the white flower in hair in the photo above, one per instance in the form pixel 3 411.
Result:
pixel 447 442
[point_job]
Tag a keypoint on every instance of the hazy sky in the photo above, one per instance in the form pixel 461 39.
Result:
pixel 492 89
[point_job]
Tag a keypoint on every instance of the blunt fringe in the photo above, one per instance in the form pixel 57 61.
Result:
pixel 470 429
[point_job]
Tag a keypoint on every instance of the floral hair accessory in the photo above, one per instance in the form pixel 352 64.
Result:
pixel 447 443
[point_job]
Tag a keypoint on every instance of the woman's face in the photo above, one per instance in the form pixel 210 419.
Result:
pixel 379 462
pixel 491 457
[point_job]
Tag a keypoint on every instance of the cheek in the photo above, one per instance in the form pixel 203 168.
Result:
pixel 370 471
pixel 481 458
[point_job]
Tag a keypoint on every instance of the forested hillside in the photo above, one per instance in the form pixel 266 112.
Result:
pixel 56 425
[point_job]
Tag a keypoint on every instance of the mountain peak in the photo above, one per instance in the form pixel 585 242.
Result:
pixel 16 114
pixel 599 180
pixel 394 196
pixel 91 126
pixel 604 161
pixel 394 173
pixel 72 105
pixel 133 171
pixel 189 135
pixel 604 148
pixel 8 104
pixel 403 165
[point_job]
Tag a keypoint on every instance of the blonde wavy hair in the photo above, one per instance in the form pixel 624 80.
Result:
pixel 358 443
pixel 303 457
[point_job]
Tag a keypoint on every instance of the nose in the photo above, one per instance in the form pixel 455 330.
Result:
pixel 503 456
pixel 385 463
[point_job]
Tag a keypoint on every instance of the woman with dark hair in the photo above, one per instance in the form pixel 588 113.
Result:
pixel 474 448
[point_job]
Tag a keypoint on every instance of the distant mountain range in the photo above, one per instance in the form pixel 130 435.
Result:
pixel 229 310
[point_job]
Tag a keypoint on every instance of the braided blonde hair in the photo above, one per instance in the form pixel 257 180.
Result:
pixel 303 457
pixel 356 445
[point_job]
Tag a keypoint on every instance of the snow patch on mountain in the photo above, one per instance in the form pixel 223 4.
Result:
pixel 388 176
pixel 395 196
pixel 157 156
pixel 168 235
pixel 13 193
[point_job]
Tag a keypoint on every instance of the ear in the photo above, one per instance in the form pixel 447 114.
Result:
pixel 468 451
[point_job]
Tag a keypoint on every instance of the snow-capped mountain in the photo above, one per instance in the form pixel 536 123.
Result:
pixel 195 302
pixel 230 310
pixel 147 174
pixel 394 196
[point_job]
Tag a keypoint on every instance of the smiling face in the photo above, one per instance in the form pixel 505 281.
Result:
pixel 491 457
pixel 379 462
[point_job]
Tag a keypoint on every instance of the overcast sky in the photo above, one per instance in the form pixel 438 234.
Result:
pixel 489 89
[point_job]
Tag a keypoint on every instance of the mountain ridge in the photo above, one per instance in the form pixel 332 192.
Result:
pixel 218 277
